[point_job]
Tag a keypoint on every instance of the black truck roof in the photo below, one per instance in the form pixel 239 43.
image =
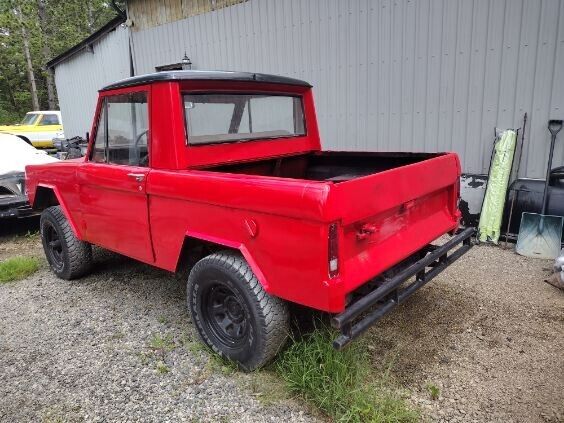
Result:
pixel 182 75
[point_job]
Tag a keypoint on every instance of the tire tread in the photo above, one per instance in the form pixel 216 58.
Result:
pixel 79 252
pixel 273 311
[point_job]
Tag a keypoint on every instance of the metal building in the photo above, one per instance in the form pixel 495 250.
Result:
pixel 411 75
pixel 81 71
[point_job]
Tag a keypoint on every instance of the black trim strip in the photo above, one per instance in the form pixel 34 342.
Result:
pixel 204 75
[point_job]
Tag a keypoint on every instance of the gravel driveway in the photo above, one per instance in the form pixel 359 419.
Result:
pixel 118 346
pixel 489 333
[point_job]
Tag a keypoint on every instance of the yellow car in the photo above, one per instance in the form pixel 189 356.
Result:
pixel 38 128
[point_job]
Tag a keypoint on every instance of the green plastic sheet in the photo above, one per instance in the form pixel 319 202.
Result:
pixel 494 199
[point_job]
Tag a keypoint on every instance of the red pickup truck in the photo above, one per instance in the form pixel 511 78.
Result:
pixel 227 168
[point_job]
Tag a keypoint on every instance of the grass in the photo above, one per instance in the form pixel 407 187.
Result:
pixel 32 234
pixel 434 391
pixel 17 268
pixel 340 383
pixel 162 343
pixel 161 367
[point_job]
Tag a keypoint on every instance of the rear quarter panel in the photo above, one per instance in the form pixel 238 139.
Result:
pixel 288 251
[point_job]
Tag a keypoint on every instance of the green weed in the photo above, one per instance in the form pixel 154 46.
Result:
pixel 340 383
pixel 434 391
pixel 17 268
pixel 162 343
pixel 162 368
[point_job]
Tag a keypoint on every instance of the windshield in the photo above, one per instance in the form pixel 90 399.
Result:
pixel 215 117
pixel 29 119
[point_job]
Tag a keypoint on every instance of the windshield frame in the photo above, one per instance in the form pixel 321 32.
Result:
pixel 27 116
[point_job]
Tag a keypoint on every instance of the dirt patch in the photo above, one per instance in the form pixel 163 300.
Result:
pixel 489 334
pixel 20 237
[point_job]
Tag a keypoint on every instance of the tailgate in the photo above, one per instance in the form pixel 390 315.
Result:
pixel 387 216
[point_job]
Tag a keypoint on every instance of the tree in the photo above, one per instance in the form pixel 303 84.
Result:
pixel 27 54
pixel 31 33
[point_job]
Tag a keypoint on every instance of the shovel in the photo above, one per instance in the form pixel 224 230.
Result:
pixel 540 234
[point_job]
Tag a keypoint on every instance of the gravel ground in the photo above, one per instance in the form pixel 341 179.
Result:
pixel 89 350
pixel 488 333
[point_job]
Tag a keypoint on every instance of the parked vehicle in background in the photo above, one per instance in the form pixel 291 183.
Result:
pixel 226 168
pixel 38 128
pixel 15 154
pixel 71 148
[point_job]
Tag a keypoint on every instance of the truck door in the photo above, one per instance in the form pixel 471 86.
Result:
pixel 112 181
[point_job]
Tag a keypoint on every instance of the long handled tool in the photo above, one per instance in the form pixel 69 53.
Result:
pixel 540 234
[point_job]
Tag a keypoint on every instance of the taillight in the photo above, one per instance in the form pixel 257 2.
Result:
pixel 333 259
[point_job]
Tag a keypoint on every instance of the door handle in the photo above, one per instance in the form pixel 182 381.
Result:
pixel 139 177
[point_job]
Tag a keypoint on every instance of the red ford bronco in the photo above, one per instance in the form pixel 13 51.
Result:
pixel 227 167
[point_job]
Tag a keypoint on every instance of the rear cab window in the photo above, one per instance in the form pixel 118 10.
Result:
pixel 214 118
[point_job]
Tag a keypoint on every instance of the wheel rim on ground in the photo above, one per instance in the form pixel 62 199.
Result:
pixel 54 247
pixel 225 314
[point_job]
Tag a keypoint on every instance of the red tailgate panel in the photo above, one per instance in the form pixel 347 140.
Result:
pixel 388 216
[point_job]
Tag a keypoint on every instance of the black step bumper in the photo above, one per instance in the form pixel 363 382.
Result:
pixel 389 295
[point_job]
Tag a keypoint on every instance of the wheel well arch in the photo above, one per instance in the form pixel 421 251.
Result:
pixel 45 197
pixel 26 139
pixel 197 246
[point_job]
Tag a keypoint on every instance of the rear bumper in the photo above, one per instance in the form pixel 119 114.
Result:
pixel 388 294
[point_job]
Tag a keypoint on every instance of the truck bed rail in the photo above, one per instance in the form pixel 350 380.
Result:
pixel 388 295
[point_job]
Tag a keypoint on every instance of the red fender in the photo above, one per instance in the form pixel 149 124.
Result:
pixel 236 246
pixel 64 207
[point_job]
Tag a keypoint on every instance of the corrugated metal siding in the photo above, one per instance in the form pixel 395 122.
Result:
pixel 79 78
pixel 428 75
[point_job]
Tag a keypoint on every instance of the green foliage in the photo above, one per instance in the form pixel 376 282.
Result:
pixel 162 343
pixel 434 391
pixel 62 25
pixel 162 368
pixel 340 383
pixel 17 268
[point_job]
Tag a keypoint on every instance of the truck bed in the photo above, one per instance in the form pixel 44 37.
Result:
pixel 326 166
pixel 388 205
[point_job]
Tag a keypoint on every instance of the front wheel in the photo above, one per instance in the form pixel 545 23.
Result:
pixel 68 257
pixel 233 314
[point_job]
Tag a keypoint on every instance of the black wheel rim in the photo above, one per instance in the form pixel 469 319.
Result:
pixel 54 247
pixel 225 314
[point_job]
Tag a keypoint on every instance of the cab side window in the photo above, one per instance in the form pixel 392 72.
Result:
pixel 49 120
pixel 128 129
pixel 99 148
pixel 123 131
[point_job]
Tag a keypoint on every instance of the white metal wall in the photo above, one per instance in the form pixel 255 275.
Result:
pixel 79 78
pixel 428 75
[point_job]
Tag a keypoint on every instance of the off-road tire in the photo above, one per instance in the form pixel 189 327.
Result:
pixel 266 328
pixel 75 257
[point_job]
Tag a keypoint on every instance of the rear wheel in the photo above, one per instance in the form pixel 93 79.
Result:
pixel 233 314
pixel 68 256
